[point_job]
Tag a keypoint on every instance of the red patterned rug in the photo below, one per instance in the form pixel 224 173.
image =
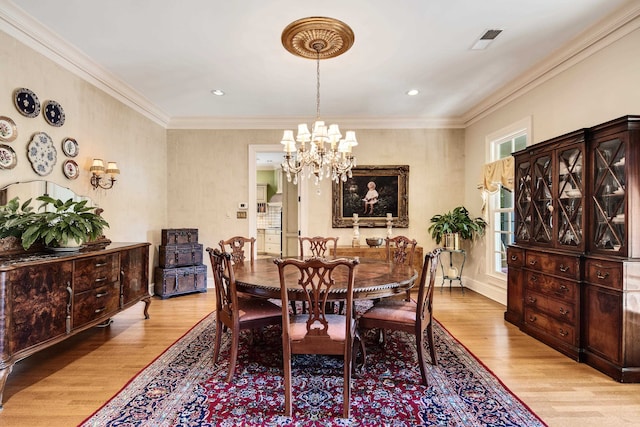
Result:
pixel 182 387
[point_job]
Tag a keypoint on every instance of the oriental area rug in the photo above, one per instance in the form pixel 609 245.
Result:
pixel 183 387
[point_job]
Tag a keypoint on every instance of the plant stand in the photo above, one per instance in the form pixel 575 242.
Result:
pixel 453 273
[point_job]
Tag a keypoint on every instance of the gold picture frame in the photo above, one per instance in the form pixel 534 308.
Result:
pixel 391 183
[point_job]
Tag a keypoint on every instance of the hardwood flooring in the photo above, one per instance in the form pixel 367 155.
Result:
pixel 64 384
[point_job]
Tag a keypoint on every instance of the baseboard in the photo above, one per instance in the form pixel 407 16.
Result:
pixel 494 291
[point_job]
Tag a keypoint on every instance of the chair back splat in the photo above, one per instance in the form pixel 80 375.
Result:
pixel 318 332
pixel 236 248
pixel 318 246
pixel 400 249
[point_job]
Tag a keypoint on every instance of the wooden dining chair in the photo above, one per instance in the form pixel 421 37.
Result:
pixel 236 313
pixel 413 317
pixel 318 332
pixel 318 246
pixel 401 250
pixel 236 247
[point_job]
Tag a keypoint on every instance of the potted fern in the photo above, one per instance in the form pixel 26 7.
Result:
pixel 64 225
pixel 455 225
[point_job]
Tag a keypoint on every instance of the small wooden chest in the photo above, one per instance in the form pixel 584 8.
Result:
pixel 177 281
pixel 180 255
pixel 179 236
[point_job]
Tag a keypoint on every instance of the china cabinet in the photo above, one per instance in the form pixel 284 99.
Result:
pixel 573 278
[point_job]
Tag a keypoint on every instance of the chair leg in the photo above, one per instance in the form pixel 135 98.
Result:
pixel 216 348
pixel 346 394
pixel 233 356
pixel 286 355
pixel 432 346
pixel 420 349
pixel 293 307
pixel 363 350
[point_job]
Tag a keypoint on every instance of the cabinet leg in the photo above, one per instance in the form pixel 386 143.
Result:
pixel 4 374
pixel 147 303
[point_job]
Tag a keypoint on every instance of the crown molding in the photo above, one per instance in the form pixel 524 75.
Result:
pixel 18 24
pixel 261 122
pixel 592 40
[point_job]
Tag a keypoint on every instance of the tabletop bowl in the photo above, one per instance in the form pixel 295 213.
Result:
pixel 374 242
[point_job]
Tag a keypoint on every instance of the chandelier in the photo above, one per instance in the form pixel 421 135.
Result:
pixel 322 152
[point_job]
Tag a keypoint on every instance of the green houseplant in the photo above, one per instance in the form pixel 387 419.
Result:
pixel 457 221
pixel 63 223
pixel 15 218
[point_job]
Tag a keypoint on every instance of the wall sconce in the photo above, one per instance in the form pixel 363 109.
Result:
pixel 97 174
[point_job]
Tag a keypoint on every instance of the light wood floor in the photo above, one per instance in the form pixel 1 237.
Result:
pixel 63 385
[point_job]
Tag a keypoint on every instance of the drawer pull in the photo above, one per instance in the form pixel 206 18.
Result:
pixel 100 310
pixel 602 276
pixel 563 268
pixel 102 294
pixel 563 288
pixel 101 279
pixel 534 278
pixel 532 300
pixel 563 333
pixel 514 257
pixel 533 262
pixel 100 264
pixel 563 312
pixel 532 318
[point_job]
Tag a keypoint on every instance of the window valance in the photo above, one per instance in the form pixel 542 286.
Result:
pixel 498 173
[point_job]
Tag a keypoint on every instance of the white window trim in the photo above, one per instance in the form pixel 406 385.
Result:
pixel 521 126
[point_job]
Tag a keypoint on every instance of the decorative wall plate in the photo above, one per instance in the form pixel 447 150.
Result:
pixel 41 153
pixel 26 102
pixel 8 129
pixel 70 147
pixel 53 113
pixel 70 169
pixel 8 159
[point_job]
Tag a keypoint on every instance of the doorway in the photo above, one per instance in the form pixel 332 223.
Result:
pixel 291 210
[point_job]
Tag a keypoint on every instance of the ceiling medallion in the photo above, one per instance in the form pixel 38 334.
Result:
pixel 304 36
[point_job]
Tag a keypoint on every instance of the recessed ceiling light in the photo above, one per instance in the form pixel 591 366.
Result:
pixel 217 92
pixel 413 92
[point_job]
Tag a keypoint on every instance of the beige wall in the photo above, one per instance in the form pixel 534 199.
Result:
pixel 602 87
pixel 217 180
pixel 104 128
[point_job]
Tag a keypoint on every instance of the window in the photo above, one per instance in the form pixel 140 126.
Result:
pixel 500 204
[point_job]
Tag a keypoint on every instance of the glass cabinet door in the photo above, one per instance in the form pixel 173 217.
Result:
pixel 609 198
pixel 542 207
pixel 570 196
pixel 523 201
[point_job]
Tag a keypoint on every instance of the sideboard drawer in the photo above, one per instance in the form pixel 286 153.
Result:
pixel 549 325
pixel 560 309
pixel 606 273
pixel 547 285
pixel 96 271
pixel 515 257
pixel 559 265
pixel 95 303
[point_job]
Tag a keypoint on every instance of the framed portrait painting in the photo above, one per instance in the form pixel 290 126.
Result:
pixel 372 193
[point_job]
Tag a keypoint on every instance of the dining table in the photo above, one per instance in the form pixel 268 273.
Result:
pixel 373 279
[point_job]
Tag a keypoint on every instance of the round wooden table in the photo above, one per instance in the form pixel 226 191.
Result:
pixel 373 279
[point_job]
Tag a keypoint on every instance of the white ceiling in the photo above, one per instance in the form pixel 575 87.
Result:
pixel 165 56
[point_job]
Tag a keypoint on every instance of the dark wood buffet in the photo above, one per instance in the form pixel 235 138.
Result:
pixel 46 298
pixel 574 269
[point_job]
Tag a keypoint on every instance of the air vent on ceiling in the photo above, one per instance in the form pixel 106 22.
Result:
pixel 485 39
